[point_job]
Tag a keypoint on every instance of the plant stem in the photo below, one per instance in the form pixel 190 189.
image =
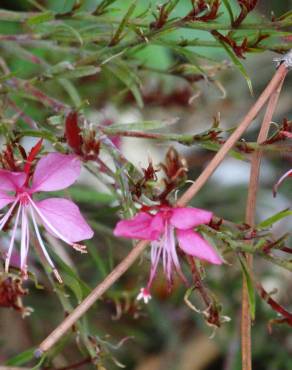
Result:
pixel 127 262
pixel 244 124
pixel 246 346
pixel 191 139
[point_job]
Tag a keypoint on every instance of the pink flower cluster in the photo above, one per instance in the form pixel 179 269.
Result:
pixel 59 216
pixel 161 229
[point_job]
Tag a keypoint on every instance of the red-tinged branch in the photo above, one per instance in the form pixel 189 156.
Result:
pixel 40 96
pixel 287 316
pixel 123 266
pixel 246 347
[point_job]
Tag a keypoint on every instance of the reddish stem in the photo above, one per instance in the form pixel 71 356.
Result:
pixel 246 350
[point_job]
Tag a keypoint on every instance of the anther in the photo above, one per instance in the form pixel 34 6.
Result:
pixel 79 247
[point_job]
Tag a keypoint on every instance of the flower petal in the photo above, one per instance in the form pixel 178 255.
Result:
pixel 55 171
pixel 142 226
pixel 11 181
pixel 193 244
pixel 5 199
pixel 66 218
pixel 185 218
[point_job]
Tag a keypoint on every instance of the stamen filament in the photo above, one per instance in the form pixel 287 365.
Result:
pixel 9 252
pixel 156 247
pixel 23 243
pixel 44 250
pixel 8 214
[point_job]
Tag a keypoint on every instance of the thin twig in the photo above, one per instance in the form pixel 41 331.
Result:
pixel 246 350
pixel 122 267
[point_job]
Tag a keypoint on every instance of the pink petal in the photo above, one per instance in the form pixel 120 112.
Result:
pixel 287 134
pixel 186 218
pixel 66 218
pixel 5 199
pixel 55 171
pixel 193 244
pixel 11 181
pixel 142 226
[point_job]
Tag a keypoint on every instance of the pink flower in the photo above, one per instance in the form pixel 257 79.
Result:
pixel 160 229
pixel 59 216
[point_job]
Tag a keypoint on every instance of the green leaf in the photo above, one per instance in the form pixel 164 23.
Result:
pixel 55 120
pixel 72 91
pixel 215 147
pixel 71 278
pixel 123 72
pixel 21 358
pixel 65 31
pixel 87 6
pixel 143 126
pixel 103 5
pixel 74 285
pixel 250 287
pixel 86 195
pixel 47 135
pixel 171 5
pixel 98 260
pixel 229 10
pixel 67 70
pixel 40 18
pixel 118 34
pixel 62 6
pixel 275 218
pixel 238 64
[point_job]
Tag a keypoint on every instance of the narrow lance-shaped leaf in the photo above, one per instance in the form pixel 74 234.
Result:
pixel 229 10
pixel 275 218
pixel 249 284
pixel 40 18
pixel 143 126
pixel 123 72
pixel 21 358
pixel 238 64
pixel 118 34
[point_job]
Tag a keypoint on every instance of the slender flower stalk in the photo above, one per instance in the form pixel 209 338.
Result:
pixel 160 229
pixel 60 217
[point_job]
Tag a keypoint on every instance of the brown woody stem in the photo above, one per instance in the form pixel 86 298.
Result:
pixel 246 346
pixel 123 266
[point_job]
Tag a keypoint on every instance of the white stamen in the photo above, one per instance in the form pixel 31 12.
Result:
pixel 172 249
pixel 7 214
pixel 23 244
pixel 41 243
pixel 26 246
pixel 156 249
pixel 9 252
pixel 167 249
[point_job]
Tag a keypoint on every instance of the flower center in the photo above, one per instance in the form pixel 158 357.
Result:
pixel 24 198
